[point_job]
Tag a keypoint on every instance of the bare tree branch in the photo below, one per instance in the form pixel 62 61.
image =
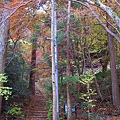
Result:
pixel 114 27
pixel 106 28
pixel 117 3
pixel 82 3
pixel 13 53
pixel 22 3
pixel 107 9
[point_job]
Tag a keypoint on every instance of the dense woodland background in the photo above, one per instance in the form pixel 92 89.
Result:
pixel 88 36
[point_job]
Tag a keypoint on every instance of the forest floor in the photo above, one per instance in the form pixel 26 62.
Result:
pixel 101 111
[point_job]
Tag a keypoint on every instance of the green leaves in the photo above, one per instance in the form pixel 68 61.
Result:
pixel 49 107
pixel 97 3
pixel 4 91
pixel 86 78
pixel 72 79
pixel 15 111
pixel 3 78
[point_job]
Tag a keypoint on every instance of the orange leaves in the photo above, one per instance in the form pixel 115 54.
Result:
pixel 20 17
pixel 22 21
pixel 43 70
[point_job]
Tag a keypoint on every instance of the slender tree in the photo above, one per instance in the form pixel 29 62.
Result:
pixel 54 61
pixel 4 28
pixel 69 112
pixel 33 72
pixel 114 76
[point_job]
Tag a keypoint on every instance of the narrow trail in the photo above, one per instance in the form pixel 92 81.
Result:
pixel 36 109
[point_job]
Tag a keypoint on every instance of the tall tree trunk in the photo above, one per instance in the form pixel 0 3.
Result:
pixel 33 59
pixel 33 66
pixel 69 113
pixel 114 76
pixel 4 28
pixel 54 61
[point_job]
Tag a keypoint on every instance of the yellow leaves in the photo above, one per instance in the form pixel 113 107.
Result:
pixel 24 42
pixel 10 40
pixel 40 12
pixel 76 13
pixel 113 1
pixel 45 31
pixel 26 46
pixel 72 62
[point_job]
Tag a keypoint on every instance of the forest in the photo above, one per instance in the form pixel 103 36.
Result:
pixel 59 59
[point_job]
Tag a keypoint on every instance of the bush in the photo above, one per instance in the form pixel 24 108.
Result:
pixel 14 112
pixel 4 91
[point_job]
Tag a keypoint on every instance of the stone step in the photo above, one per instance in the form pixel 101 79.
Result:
pixel 37 108
pixel 38 105
pixel 35 118
pixel 40 112
pixel 39 102
pixel 40 95
pixel 38 115
pixel 39 98
pixel 32 110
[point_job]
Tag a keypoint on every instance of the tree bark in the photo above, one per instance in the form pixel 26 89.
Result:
pixel 114 76
pixel 33 66
pixel 33 59
pixel 69 112
pixel 54 61
pixel 4 28
pixel 108 10
pixel 104 63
